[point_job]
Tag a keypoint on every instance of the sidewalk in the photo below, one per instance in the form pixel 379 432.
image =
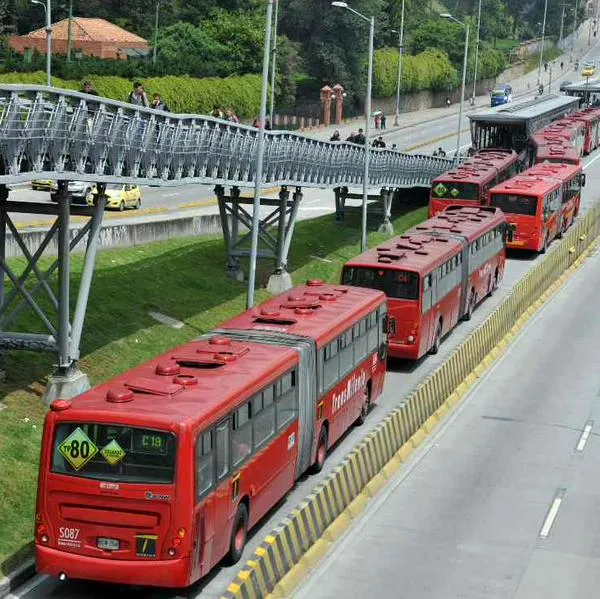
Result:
pixel 522 86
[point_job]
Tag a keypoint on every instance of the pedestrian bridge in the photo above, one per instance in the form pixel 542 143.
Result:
pixel 48 133
pixel 58 134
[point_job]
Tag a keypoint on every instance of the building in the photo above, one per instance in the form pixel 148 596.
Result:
pixel 89 37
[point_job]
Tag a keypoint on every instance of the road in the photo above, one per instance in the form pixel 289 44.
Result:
pixel 503 501
pixel 401 378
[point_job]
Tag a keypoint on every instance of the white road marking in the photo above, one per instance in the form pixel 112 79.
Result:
pixel 552 513
pixel 320 259
pixel 163 319
pixel 585 435
pixel 591 161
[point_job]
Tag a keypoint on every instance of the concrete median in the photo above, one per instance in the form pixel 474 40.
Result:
pixel 291 550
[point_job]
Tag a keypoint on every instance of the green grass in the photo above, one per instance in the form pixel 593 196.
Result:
pixel 533 62
pixel 185 279
pixel 506 46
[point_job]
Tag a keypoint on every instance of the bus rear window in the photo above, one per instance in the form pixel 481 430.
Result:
pixel 448 190
pixel 515 204
pixel 114 453
pixel 398 284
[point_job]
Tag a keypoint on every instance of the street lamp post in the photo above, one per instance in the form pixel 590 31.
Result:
pixel 574 30
pixel 69 35
pixel 274 62
pixel 48 9
pixel 155 32
pixel 476 54
pixel 542 48
pixel 464 78
pixel 260 156
pixel 400 51
pixel 371 21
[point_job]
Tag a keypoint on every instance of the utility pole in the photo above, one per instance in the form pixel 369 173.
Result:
pixel 69 38
pixel 574 30
pixel 476 55
pixel 155 32
pixel 543 42
pixel 562 22
pixel 273 63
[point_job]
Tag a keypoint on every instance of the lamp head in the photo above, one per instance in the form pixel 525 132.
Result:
pixel 340 4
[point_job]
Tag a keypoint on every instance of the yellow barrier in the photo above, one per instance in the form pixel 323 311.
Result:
pixel 301 540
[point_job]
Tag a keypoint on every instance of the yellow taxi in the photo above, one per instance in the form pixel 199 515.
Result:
pixel 120 196
pixel 589 68
pixel 43 185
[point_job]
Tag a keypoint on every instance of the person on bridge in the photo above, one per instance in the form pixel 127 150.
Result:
pixel 138 95
pixel 360 138
pixel 379 143
pixel 335 136
pixel 88 88
pixel 159 104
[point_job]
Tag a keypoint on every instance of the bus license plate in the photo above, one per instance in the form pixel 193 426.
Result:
pixel 108 544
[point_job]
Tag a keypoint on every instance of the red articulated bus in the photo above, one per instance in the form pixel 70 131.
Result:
pixel 469 183
pixel 588 119
pixel 434 275
pixel 557 152
pixel 153 477
pixel 539 204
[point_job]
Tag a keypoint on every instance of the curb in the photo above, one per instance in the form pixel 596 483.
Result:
pixel 301 540
pixel 17 577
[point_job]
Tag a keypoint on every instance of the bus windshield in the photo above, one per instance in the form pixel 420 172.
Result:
pixel 398 284
pixel 498 93
pixel 515 204
pixel 114 453
pixel 448 190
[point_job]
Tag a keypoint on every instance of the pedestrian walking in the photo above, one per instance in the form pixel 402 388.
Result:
pixel 377 122
pixel 138 96
pixel 383 121
pixel 562 64
pixel 158 103
pixel 448 102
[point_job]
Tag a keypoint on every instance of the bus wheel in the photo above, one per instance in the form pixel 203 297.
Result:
pixel 364 411
pixel 561 231
pixel 469 313
pixel 321 451
pixel 238 535
pixel 545 246
pixel 435 348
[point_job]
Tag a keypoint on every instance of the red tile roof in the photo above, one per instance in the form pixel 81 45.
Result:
pixel 91 30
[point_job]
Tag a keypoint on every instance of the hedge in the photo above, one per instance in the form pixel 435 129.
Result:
pixel 183 94
pixel 430 69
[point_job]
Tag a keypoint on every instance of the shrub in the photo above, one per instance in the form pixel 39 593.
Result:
pixel 430 69
pixel 186 95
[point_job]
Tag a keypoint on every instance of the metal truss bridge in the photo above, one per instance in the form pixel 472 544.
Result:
pixel 48 133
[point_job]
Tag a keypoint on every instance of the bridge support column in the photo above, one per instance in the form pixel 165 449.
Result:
pixel 54 312
pixel 387 195
pixel 272 244
pixel 281 280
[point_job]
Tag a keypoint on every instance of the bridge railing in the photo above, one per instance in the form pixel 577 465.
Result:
pixel 60 134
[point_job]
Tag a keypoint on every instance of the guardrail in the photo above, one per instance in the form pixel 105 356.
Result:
pixel 301 540
pixel 59 134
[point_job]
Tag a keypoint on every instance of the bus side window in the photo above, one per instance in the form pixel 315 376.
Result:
pixel 222 448
pixel 372 332
pixel 205 464
pixel 360 341
pixel 346 352
pixel 426 303
pixel 286 398
pixel 241 434
pixel 331 366
pixel 263 416
pixel 383 324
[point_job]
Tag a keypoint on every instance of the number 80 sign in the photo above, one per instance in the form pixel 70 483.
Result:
pixel 78 449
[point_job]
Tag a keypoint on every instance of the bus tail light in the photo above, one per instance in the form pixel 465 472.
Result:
pixel 181 533
pixel 172 552
pixel 42 533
